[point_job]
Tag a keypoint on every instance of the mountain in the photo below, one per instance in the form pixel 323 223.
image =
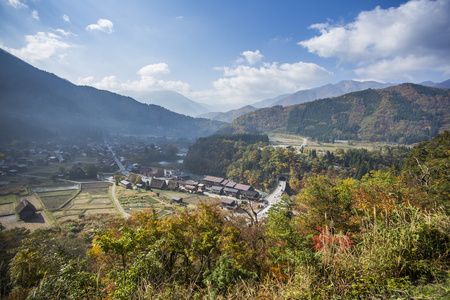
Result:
pixel 228 116
pixel 405 113
pixel 444 84
pixel 329 90
pixel 175 102
pixel 269 102
pixel 37 104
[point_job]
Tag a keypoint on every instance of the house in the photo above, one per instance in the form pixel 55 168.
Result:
pixel 228 204
pixel 211 180
pixel 231 192
pixel 217 190
pixel 126 184
pixel 190 189
pixel 172 185
pixel 158 184
pixel 26 210
pixel 250 195
pixel 141 186
pixel 243 187
pixel 230 184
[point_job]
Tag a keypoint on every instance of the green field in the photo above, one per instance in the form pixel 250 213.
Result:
pixel 7 199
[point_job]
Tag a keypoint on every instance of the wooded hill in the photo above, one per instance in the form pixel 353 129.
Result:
pixel 405 113
pixel 37 104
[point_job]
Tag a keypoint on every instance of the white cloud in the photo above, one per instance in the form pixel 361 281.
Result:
pixel 85 81
pixel 149 70
pixel 146 83
pixel 244 85
pixel 252 57
pixel 104 25
pixel 17 4
pixel 41 46
pixel 66 18
pixel 35 15
pixel 378 40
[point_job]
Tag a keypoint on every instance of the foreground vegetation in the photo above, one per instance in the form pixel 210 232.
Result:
pixel 386 235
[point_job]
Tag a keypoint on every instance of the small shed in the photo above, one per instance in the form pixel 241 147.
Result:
pixel 26 210
pixel 177 199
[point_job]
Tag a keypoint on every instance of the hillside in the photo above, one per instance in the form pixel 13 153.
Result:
pixel 405 113
pixel 37 104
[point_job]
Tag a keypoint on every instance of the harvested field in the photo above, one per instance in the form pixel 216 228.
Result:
pixel 55 199
pixel 39 222
pixel 7 209
pixel 100 201
pixel 100 211
pixel 96 188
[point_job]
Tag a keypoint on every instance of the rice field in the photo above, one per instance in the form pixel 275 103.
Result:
pixel 55 199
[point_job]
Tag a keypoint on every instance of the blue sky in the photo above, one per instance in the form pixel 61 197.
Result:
pixel 229 53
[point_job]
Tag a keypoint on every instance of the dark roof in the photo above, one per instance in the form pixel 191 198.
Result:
pixel 25 204
pixel 228 201
pixel 230 184
pixel 243 187
pixel 230 190
pixel 216 188
pixel 217 180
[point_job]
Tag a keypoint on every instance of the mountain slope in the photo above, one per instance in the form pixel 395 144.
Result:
pixel 228 116
pixel 37 104
pixel 175 102
pixel 405 113
pixel 329 90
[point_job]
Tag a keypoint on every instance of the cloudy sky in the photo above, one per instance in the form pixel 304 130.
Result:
pixel 229 53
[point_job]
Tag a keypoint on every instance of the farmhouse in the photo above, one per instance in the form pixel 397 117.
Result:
pixel 158 184
pixel 250 195
pixel 26 210
pixel 231 192
pixel 229 204
pixel 217 190
pixel 211 180
pixel 126 184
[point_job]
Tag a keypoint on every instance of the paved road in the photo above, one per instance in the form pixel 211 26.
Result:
pixel 273 198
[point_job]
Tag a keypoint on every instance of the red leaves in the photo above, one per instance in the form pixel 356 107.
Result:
pixel 326 239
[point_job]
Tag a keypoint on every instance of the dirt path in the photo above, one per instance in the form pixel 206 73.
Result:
pixel 119 207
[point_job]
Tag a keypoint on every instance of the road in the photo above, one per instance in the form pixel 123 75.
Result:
pixel 119 207
pixel 272 199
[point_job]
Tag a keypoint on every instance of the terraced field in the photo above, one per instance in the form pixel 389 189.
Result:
pixel 93 199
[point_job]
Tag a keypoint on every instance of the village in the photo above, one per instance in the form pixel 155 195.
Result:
pixel 93 178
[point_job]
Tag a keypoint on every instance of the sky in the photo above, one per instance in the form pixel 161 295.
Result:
pixel 229 54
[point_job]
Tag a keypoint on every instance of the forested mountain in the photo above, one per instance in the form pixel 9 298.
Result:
pixel 329 90
pixel 37 104
pixel 405 113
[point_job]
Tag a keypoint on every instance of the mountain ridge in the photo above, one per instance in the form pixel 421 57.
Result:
pixel 405 113
pixel 40 102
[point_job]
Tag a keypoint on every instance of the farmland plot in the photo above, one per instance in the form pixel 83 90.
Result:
pixel 92 200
